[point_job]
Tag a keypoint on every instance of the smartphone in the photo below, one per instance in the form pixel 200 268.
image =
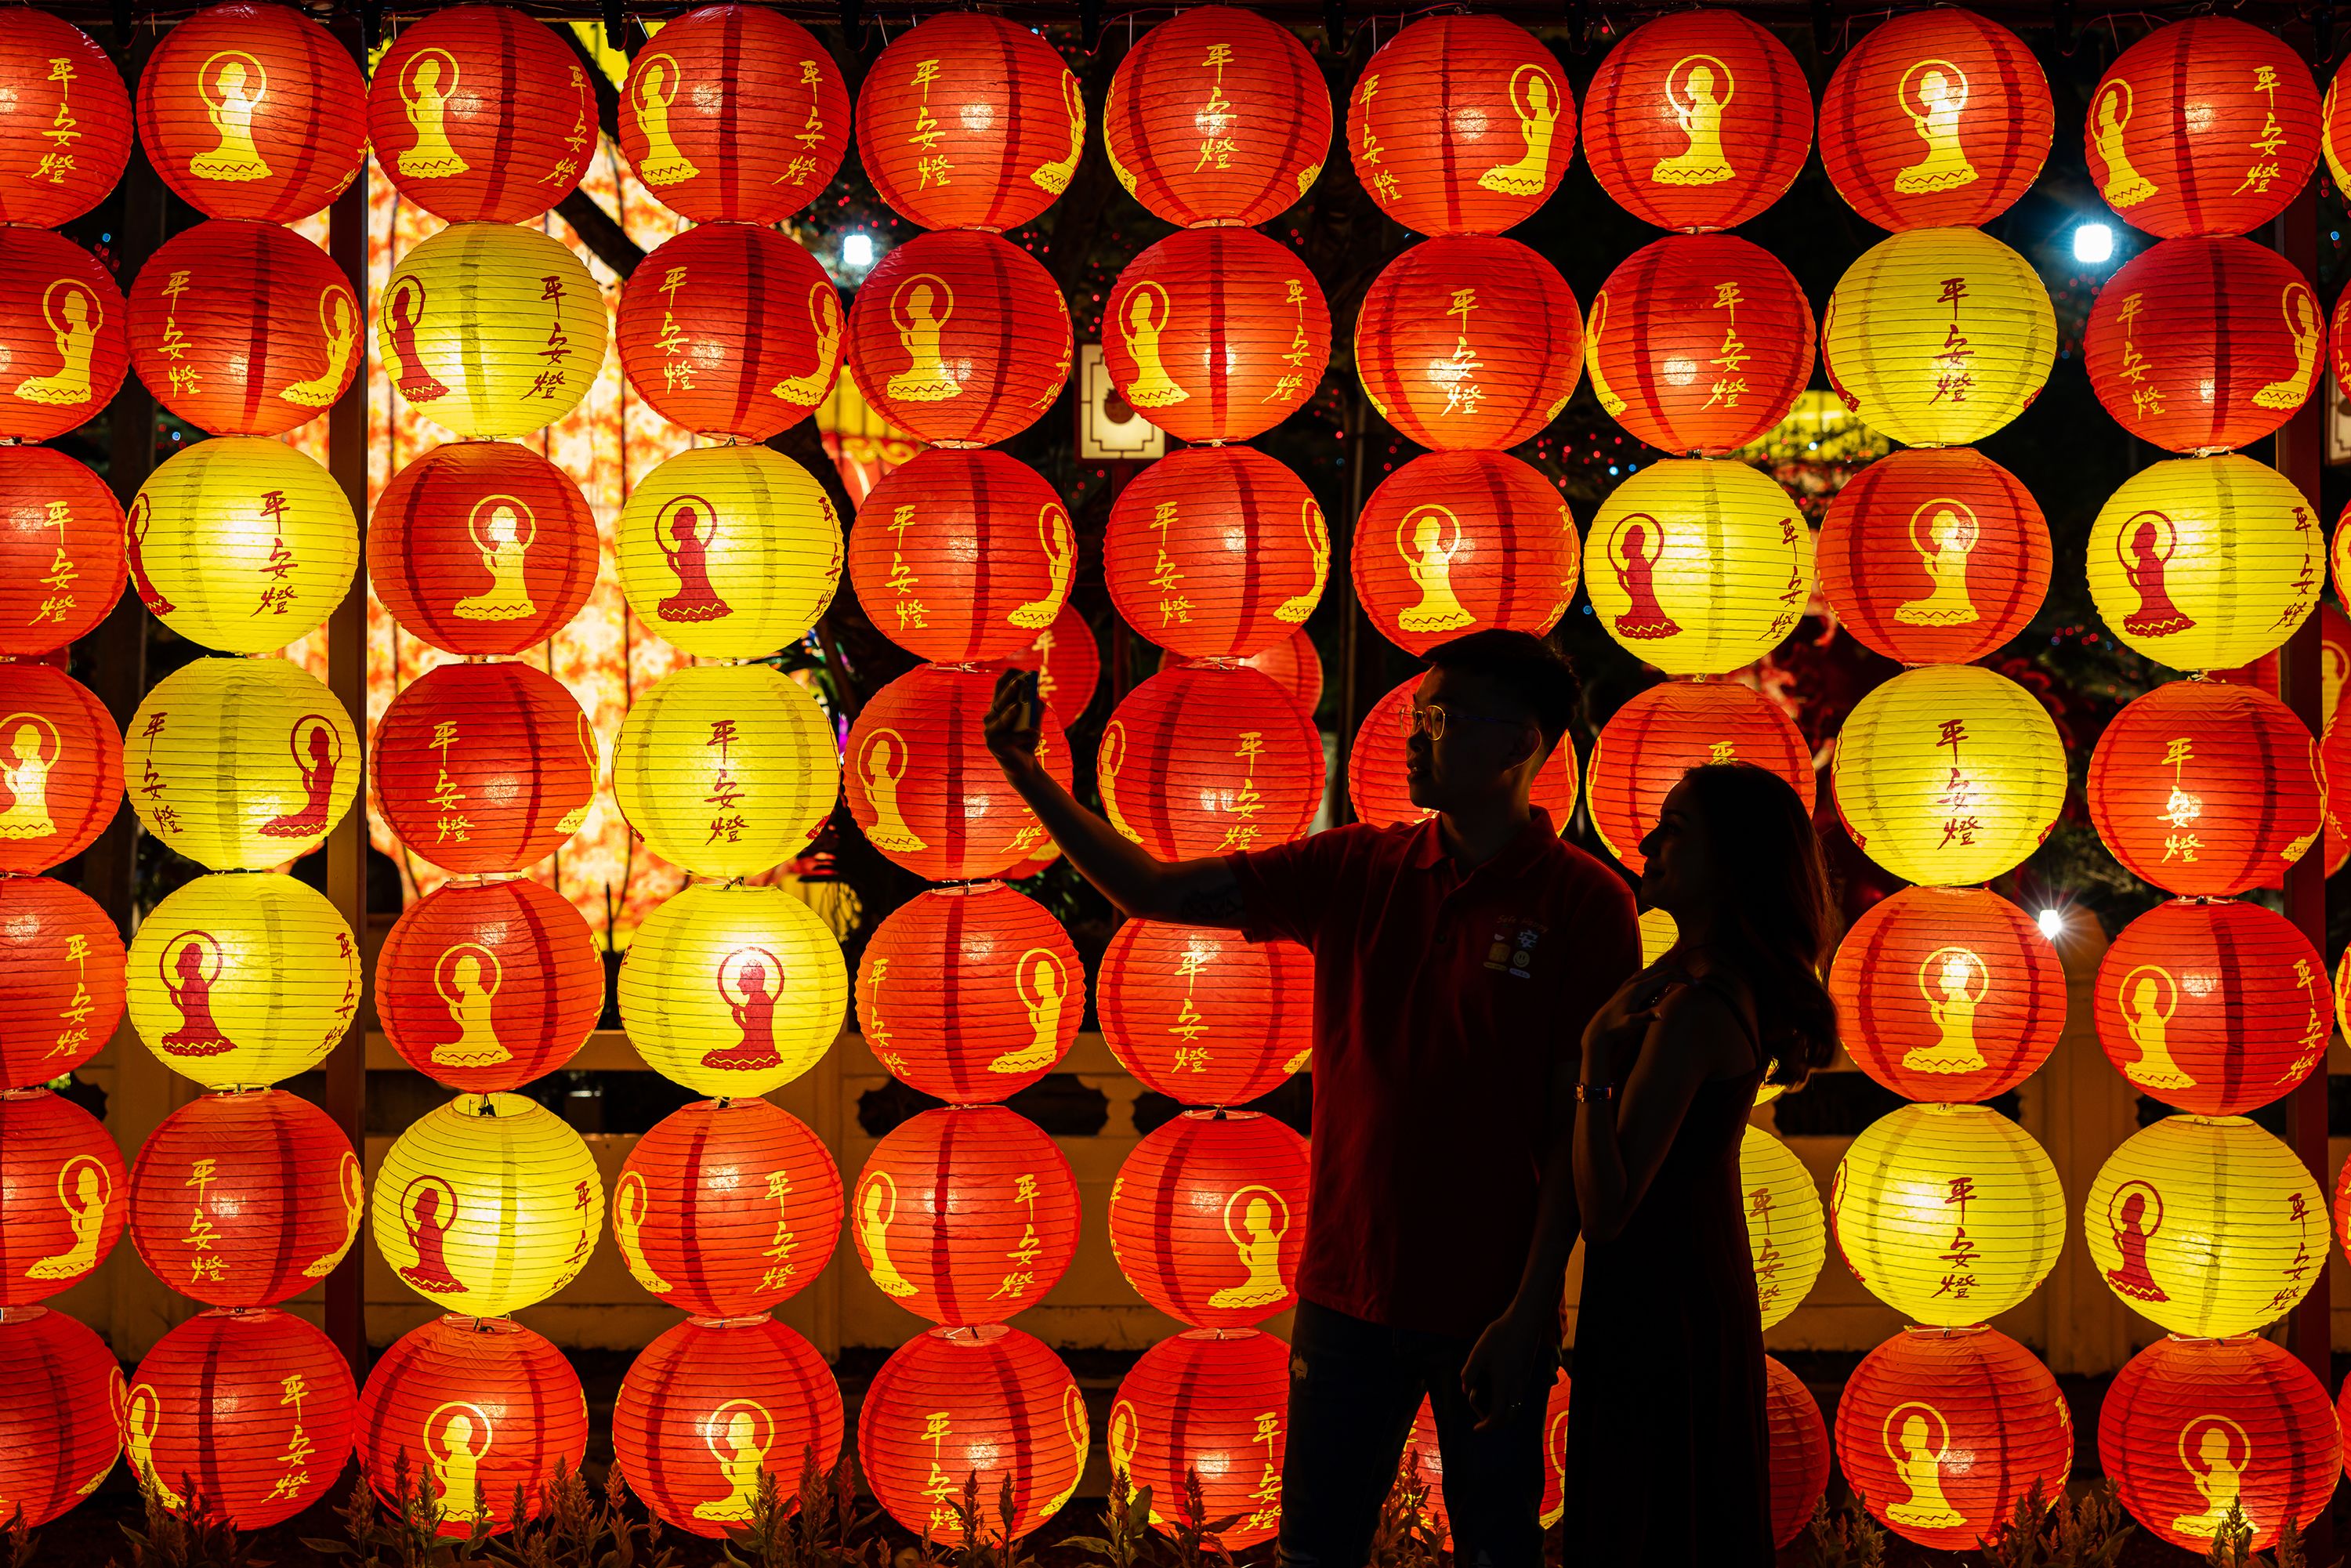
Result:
pixel 1033 682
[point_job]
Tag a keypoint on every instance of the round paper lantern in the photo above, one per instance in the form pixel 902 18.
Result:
pixel 242 764
pixel 1936 120
pixel 2208 126
pixel 248 1414
pixel 952 1403
pixel 726 769
pixel 1699 566
pixel 1208 1218
pixel 66 132
pixel 730 553
pixel 62 969
pixel 483 1409
pixel 1948 1213
pixel 727 1207
pixel 1202 1015
pixel 1658 128
pixel 1698 344
pixel 966 1213
pixel 1470 343
pixel 1212 1404
pixel 1066 658
pixel 1787 1231
pixel 1948 774
pixel 2206 788
pixel 1941 1434
pixel 1293 664
pixel 1939 337
pixel 244 327
pixel 2205 563
pixel 733 990
pixel 1461 125
pixel 242 544
pixel 1217 116
pixel 1662 733
pixel 2216 1007
pixel 1216 552
pixel 709 1411
pixel 253 112
pixel 484 768
pixel 486 987
pixel 60 769
pixel 730 329
pixel 485 1203
pixel 484 548
pixel 970 993
pixel 64 345
pixel 2202 344
pixel 1455 542
pixel 962 557
pixel 1379 786
pixel 58 1434
pixel 924 789
pixel 1935 557
pixel 61 560
pixel 1948 994
pixel 1800 1451
pixel 1216 334
pixel 63 1192
pixel 245 1200
pixel 487 330
pixel 480 112
pixel 2192 1428
pixel 241 980
pixel 959 339
pixel 736 115
pixel 1205 759
pixel 969 121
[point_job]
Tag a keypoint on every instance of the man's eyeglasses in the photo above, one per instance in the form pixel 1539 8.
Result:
pixel 1436 716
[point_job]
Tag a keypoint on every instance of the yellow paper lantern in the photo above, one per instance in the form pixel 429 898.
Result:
pixel 485 1203
pixel 2207 1225
pixel 2206 563
pixel 241 543
pixel 491 329
pixel 241 979
pixel 730 553
pixel 1939 337
pixel 241 764
pixel 1787 1230
pixel 1699 566
pixel 733 990
pixel 1948 774
pixel 1948 1213
pixel 1658 934
pixel 726 769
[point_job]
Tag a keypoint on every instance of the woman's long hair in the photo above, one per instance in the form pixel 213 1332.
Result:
pixel 1771 922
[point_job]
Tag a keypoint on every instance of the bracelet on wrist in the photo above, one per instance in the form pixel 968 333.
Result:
pixel 1587 1093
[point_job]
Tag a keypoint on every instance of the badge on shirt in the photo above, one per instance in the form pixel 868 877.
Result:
pixel 1512 950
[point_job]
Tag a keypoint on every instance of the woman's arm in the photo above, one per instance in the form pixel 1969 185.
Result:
pixel 1621 1140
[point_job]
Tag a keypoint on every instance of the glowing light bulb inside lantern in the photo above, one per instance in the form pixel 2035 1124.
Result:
pixel 2093 243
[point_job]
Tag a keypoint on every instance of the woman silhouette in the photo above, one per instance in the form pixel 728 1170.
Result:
pixel 469 976
pixel 196 969
pixel 1918 1457
pixel 2130 1227
pixel 2306 325
pixel 433 156
pixel 142 1411
pixel 404 308
pixel 663 163
pixel 1294 610
pixel 1054 176
pixel 83 1191
pixel 315 736
pixel 1538 113
pixel 230 107
pixel 2147 998
pixel 1942 94
pixel 687 553
pixel 876 1207
pixel 1642 618
pixel 629 1202
pixel 135 537
pixel 741 1450
pixel 428 1234
pixel 1700 112
pixel 338 324
pixel 1610 403
pixel 2144 569
pixel 1951 534
pixel 1953 981
pixel 1148 309
pixel 922 328
pixel 33 749
pixel 457 1463
pixel 503 542
pixel 883 765
pixel 824 316
pixel 754 1012
pixel 2122 185
pixel 1061 558
pixel 1259 1244
pixel 1041 1000
pixel 2218 1473
pixel 1429 564
pixel 74 316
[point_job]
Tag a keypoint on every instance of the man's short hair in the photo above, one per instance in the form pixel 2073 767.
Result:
pixel 1526 669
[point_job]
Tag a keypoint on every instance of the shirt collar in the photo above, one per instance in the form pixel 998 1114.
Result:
pixel 1517 858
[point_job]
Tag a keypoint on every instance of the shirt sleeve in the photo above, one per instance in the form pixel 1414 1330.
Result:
pixel 1286 890
pixel 1605 936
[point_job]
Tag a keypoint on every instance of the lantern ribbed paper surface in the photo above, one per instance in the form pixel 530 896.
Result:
pixel 965 1214
pixel 726 769
pixel 66 134
pixel 733 990
pixel 64 1196
pixel 1948 994
pixel 484 768
pixel 1787 1230
pixel 243 544
pixel 64 344
pixel 1211 1404
pixel 1461 125
pixel 1380 788
pixel 2197 344
pixel 1217 116
pixel 959 339
pixel 2206 788
pixel 730 329
pixel 2217 1008
pixel 970 993
pixel 61 560
pixel 2190 1428
pixel 243 979
pixel 62 973
pixel 1216 334
pixel 1216 552
pixel 1202 1015
pixel 727 1208
pixel 1698 344
pixel 480 112
pixel 1699 566
pixel 969 121
pixel 924 789
pixel 484 548
pixel 730 551
pixel 1295 667
pixel 1067 659
pixel 1208 1218
pixel 60 767
pixel 1204 760
pixel 245 1200
pixel 242 764
pixel 1471 342
pixel 963 557
pixel 1659 129
pixel 1664 732
pixel 709 1410
pixel 244 327
pixel 989 1402
pixel 1800 1450
pixel 59 1435
pixel 484 987
pixel 251 1412
pixel 487 330
pixel 736 115
pixel 1455 542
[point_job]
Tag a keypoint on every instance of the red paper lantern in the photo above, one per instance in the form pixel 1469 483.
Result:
pixel 727 1207
pixel 2197 345
pixel 959 339
pixel 2190 1427
pixel 1800 1451
pixel 954 1403
pixel 1461 125
pixel 2206 788
pixel 962 557
pixel 1212 1404
pixel 970 993
pixel 730 329
pixel 1469 343
pixel 60 767
pixel 59 1432
pixel 245 1200
pixel 922 784
pixel 481 548
pixel 1203 1014
pixel 1947 995
pixel 253 112
pixel 244 1415
pixel 2208 126
pixel 2214 1007
pixel 479 111
pixel 1934 556
pixel 478 1409
pixel 67 132
pixel 61 560
pixel 1217 116
pixel 708 1410
pixel 1216 334
pixel 1216 552
pixel 244 327
pixel 1208 1218
pixel 737 114
pixel 1700 344
pixel 1205 759
pixel 1455 542
pixel 1294 665
pixel 61 981
pixel 1379 789
pixel 1663 732
pixel 969 121
pixel 64 347
pixel 484 768
pixel 1424 1462
pixel 486 987
pixel 966 1213
pixel 1067 659
pixel 62 1191
pixel 1656 129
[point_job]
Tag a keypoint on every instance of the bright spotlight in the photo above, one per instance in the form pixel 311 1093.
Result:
pixel 2053 924
pixel 857 251
pixel 2094 243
